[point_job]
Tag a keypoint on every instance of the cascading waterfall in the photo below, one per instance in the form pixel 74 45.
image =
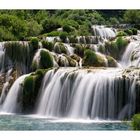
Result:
pixel 127 56
pixel 81 94
pixel 11 103
pixel 76 92
pixel 103 32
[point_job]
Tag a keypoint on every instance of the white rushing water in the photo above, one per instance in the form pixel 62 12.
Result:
pixel 11 104
pixel 83 95
pixel 103 31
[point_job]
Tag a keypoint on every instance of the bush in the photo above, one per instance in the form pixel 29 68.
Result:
pixel 92 59
pixel 79 50
pixel 136 122
pixel 67 28
pixel 128 32
pixel 134 30
pixel 60 48
pixel 46 59
pixel 117 47
pixel 5 35
pixel 63 36
pixel 121 33
pixel 50 24
pixel 53 33
pixel 73 39
pixel 47 45
pixel 34 42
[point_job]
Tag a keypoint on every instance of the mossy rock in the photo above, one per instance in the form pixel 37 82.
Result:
pixel 31 86
pixel 60 48
pixel 48 45
pixel 75 57
pixel 45 60
pixel 73 39
pixel 136 122
pixel 63 36
pixel 34 42
pixel 93 59
pixel 121 33
pixel 63 61
pixel 72 62
pixel 111 61
pixel 116 48
pixel 79 50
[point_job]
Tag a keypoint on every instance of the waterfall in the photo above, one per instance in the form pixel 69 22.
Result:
pixel 126 57
pixel 83 93
pixel 103 32
pixel 11 103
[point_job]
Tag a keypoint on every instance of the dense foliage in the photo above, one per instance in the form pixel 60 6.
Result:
pixel 22 24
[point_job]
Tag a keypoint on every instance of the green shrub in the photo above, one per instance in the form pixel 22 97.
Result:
pixel 47 45
pixel 53 33
pixel 67 28
pixel 92 59
pixel 117 47
pixel 73 39
pixel 63 36
pixel 79 50
pixel 134 30
pixel 128 31
pixel 46 60
pixel 34 42
pixel 60 48
pixel 50 24
pixel 136 122
pixel 121 33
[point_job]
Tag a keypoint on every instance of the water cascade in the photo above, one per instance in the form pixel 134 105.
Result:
pixel 103 32
pixel 86 94
pixel 11 103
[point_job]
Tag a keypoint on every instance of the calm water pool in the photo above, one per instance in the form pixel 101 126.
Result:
pixel 19 122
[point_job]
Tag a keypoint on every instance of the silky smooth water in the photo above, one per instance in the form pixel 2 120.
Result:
pixel 19 122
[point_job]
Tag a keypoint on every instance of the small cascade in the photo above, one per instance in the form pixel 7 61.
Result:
pixel 11 103
pixel 70 50
pixel 126 58
pixel 87 94
pixel 103 32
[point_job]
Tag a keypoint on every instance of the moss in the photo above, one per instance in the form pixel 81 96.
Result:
pixel 136 122
pixel 79 50
pixel 19 55
pixel 128 31
pixel 63 36
pixel 47 45
pixel 31 88
pixel 60 48
pixel 111 61
pixel 75 57
pixel 73 39
pixel 92 59
pixel 46 60
pixel 121 33
pixel 34 42
pixel 117 47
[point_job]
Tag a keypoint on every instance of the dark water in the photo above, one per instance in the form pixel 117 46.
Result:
pixel 18 122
